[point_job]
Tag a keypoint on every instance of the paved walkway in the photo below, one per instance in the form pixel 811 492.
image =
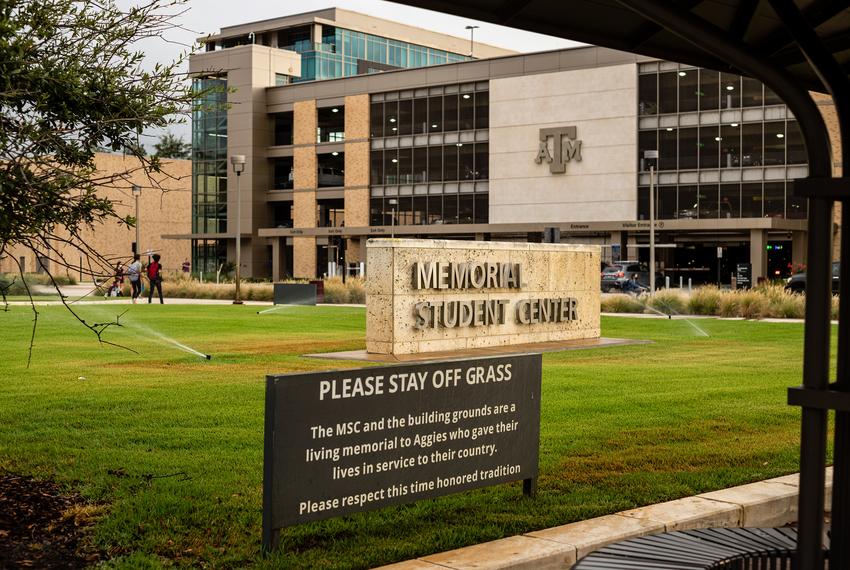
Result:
pixel 770 503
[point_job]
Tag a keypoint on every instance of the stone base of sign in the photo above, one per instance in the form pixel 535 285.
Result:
pixel 554 346
pixel 763 504
pixel 443 295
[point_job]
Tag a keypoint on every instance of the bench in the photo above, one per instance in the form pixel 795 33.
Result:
pixel 702 549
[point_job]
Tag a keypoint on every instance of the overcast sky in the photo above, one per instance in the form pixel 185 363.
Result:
pixel 209 16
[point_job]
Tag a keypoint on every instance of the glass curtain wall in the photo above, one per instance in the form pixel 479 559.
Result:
pixel 707 120
pixel 340 52
pixel 209 169
pixel 435 148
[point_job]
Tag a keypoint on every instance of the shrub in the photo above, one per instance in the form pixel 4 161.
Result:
pixel 784 305
pixel 668 301
pixel 336 291
pixel 621 304
pixel 729 304
pixel 705 301
pixel 356 290
pixel 752 304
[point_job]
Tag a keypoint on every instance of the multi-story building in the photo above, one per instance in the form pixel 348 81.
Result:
pixel 351 131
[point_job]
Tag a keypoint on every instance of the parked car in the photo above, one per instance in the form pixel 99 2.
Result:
pixel 616 275
pixel 797 283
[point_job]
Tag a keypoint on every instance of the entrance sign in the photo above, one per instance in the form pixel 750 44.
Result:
pixel 348 441
pixel 444 295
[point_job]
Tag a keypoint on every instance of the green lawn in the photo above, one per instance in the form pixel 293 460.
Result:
pixel 171 445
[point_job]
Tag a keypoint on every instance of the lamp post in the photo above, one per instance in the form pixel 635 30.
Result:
pixel 238 162
pixel 137 192
pixel 393 203
pixel 652 156
pixel 471 32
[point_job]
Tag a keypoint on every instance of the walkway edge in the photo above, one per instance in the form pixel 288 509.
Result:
pixel 768 503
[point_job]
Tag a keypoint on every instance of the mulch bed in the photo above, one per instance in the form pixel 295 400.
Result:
pixel 38 526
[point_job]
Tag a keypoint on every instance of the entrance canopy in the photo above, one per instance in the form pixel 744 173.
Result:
pixel 612 24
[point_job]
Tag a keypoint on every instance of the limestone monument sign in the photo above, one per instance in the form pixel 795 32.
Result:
pixel 347 441
pixel 443 295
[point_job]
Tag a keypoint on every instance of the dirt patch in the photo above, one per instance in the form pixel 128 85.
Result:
pixel 42 527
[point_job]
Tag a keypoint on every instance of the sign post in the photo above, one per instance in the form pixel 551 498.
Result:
pixel 349 441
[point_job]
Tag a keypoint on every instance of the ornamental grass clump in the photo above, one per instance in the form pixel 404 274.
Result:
pixel 705 301
pixel 729 304
pixel 335 291
pixel 752 304
pixel 669 302
pixel 621 304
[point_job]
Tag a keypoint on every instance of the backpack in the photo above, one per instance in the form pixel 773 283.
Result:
pixel 153 270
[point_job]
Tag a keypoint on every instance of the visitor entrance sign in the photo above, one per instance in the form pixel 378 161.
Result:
pixel 347 441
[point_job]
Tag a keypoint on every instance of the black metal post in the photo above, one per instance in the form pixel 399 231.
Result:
pixel 816 351
pixel 835 80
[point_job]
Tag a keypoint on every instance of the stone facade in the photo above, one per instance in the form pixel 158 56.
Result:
pixel 165 207
pixel 830 117
pixel 547 271
pixel 600 103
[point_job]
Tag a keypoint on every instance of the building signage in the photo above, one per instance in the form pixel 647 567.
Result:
pixel 347 441
pixel 565 147
pixel 463 276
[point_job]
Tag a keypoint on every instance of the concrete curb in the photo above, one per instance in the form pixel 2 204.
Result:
pixel 768 503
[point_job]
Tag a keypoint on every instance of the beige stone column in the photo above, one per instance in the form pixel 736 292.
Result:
pixel 356 172
pixel 276 258
pixel 758 254
pixel 304 188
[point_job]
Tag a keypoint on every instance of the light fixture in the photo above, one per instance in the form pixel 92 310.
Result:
pixel 394 160
pixel 334 110
pixel 734 125
pixel 137 190
pixel 395 129
pixel 718 139
pixel 669 129
pixel 466 95
pixel 392 119
pixel 730 88
pixel 780 135
pixel 458 144
pixel 334 153
pixel 434 126
pixel 683 73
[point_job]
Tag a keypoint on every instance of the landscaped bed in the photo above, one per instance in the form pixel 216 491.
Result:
pixel 168 446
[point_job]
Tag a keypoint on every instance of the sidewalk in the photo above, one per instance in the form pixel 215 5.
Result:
pixel 769 503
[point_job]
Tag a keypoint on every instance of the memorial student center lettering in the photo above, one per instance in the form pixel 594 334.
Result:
pixel 463 276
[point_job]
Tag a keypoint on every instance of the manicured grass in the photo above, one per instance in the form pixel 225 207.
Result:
pixel 171 445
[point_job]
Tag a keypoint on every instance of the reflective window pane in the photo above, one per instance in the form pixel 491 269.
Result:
pixel 450 162
pixel 751 147
pixel 466 162
pixel 648 94
pixel 730 91
pixel 405 166
pixel 405 117
pixel 708 200
pixel 482 207
pixel 774 143
pixel 709 146
pixel 466 120
pixel 688 202
pixel 667 148
pixel 730 201
pixel 420 164
pixel 688 147
pixel 390 118
pixel 435 164
pixel 774 200
pixel 450 112
pixel 482 110
pixel 688 90
pixel 376 120
pixel 435 114
pixel 795 147
pixel 482 158
pixel 709 90
pixel 751 200
pixel 665 202
pixel 420 116
pixel 730 145
pixel 751 92
pixel 668 92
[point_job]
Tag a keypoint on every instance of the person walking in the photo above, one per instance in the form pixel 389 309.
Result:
pixel 134 273
pixel 155 278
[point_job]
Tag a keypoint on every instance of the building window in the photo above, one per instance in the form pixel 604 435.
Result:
pixel 282 173
pixel 331 169
pixel 283 128
pixel 330 124
pixel 209 157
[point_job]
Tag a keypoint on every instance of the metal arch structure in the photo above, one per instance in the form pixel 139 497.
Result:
pixel 793 46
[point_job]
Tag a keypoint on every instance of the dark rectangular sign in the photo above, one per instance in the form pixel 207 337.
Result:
pixel 347 441
pixel 743 275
